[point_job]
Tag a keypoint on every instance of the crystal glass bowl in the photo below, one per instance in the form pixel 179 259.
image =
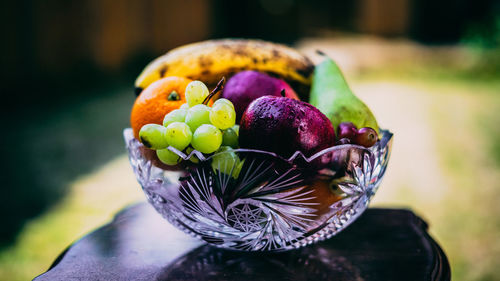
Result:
pixel 255 200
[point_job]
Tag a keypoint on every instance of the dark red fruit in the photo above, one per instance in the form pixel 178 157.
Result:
pixel 247 86
pixel 366 137
pixel 346 130
pixel 283 125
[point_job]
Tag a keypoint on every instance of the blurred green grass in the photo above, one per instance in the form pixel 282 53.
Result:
pixel 461 202
pixel 445 166
pixel 92 201
pixel 470 224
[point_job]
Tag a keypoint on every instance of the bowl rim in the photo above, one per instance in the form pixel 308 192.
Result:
pixel 382 142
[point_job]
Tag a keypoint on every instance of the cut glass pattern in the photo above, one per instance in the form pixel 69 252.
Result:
pixel 257 201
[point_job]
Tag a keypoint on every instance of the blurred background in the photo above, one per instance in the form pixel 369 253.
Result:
pixel 430 71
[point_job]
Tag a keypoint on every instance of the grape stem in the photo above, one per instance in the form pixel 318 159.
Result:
pixel 215 90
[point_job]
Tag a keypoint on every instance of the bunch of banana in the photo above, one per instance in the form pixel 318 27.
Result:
pixel 209 61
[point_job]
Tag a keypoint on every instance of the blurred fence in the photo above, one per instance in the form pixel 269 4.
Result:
pixel 53 37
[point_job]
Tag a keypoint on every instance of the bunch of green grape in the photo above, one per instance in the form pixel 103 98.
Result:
pixel 193 126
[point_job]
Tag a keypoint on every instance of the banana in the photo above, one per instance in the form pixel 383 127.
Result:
pixel 209 61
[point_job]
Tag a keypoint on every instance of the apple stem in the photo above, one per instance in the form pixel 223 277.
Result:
pixel 215 90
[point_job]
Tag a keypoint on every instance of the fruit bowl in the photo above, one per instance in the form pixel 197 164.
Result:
pixel 252 200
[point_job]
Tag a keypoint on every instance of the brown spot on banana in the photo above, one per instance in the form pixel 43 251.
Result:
pixel 241 51
pixel 205 62
pixel 163 70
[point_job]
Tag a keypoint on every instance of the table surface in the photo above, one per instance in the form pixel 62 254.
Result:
pixel 383 244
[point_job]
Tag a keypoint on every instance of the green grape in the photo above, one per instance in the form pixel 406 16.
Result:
pixel 184 106
pixel 230 137
pixel 225 101
pixel 226 161
pixel 196 92
pixel 222 115
pixel 207 138
pixel 197 116
pixel 193 158
pixel 168 157
pixel 176 115
pixel 153 136
pixel 178 135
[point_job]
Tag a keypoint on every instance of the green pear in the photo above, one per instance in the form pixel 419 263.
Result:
pixel 333 97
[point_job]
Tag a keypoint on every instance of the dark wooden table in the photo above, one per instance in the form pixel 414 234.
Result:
pixel 383 244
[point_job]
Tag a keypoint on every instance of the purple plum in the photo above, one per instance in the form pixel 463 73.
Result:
pixel 346 130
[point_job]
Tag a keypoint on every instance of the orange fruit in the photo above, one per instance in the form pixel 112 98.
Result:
pixel 156 101
pixel 320 194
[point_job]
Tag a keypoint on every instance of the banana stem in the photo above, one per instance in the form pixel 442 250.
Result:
pixel 215 90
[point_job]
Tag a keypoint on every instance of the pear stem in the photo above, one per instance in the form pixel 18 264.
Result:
pixel 321 53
